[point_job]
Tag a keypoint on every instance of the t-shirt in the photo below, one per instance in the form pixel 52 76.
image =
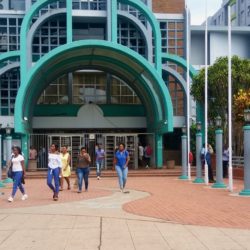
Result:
pixel 83 161
pixel 141 151
pixel 16 163
pixel 54 161
pixel 121 157
pixel 100 154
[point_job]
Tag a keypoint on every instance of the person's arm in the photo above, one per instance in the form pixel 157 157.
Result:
pixel 69 159
pixel 127 160
pixel 114 161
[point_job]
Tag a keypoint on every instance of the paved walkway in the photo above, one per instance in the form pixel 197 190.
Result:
pixel 157 213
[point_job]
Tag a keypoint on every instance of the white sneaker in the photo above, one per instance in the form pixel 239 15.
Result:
pixel 24 197
pixel 98 177
pixel 10 199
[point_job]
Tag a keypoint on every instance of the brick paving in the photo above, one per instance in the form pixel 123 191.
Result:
pixel 171 200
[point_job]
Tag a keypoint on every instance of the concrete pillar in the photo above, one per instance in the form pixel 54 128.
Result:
pixel 8 154
pixel 219 170
pixel 184 160
pixel 198 178
pixel 158 150
pixel 25 148
pixel 246 190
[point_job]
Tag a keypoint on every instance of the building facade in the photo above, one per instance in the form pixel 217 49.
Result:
pixel 83 72
pixel 240 13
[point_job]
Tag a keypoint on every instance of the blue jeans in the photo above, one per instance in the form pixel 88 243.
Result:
pixel 99 166
pixel 83 174
pixel 53 173
pixel 17 182
pixel 122 175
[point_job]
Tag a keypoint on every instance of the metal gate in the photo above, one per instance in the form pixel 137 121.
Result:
pixel 42 142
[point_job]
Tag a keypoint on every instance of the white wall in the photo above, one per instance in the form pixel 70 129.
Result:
pixel 219 45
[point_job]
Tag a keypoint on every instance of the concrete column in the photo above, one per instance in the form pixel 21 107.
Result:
pixel 198 178
pixel 219 171
pixel 1 184
pixel 158 150
pixel 25 149
pixel 184 160
pixel 8 154
pixel 246 190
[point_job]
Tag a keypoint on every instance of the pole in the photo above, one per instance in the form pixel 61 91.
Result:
pixel 8 154
pixel 230 167
pixel 206 94
pixel 198 178
pixel 219 176
pixel 246 190
pixel 188 93
pixel 184 158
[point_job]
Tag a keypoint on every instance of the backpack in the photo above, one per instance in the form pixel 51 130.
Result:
pixel 149 151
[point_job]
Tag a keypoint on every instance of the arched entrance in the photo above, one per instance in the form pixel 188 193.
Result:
pixel 140 75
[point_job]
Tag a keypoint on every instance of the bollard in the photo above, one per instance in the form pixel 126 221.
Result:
pixel 184 158
pixel 198 178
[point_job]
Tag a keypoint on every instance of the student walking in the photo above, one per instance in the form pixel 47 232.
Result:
pixel 65 158
pixel 147 155
pixel 54 170
pixel 99 161
pixel 83 162
pixel 225 160
pixel 18 173
pixel 121 161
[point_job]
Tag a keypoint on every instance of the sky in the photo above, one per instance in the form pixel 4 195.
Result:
pixel 197 9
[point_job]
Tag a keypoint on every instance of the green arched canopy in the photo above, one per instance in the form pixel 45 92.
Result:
pixel 107 56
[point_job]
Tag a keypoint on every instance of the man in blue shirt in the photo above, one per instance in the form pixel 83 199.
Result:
pixel 100 157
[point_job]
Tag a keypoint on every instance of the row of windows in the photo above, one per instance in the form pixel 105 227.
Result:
pixel 89 87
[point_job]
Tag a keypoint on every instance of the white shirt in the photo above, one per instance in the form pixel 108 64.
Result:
pixel 141 151
pixel 54 161
pixel 16 163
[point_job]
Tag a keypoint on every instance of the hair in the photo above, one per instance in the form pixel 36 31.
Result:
pixel 122 144
pixel 56 146
pixel 64 146
pixel 18 149
pixel 82 148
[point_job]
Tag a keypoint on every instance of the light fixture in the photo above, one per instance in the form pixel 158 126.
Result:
pixel 218 121
pixel 166 122
pixel 247 116
pixel 184 129
pixel 198 126
pixel 8 129
pixel 25 118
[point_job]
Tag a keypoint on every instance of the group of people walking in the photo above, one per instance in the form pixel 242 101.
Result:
pixel 59 169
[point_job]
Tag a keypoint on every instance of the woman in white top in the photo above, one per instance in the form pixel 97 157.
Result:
pixel 18 170
pixel 54 170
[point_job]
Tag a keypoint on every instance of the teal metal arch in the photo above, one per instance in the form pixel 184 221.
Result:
pixel 42 3
pixel 142 71
pixel 179 61
pixel 9 55
pixel 139 5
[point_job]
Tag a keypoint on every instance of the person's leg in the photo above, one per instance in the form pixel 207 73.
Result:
pixel 49 180
pixel 61 183
pixel 225 164
pixel 68 182
pixel 86 178
pixel 210 173
pixel 15 184
pixel 124 176
pixel 98 168
pixel 79 178
pixel 20 186
pixel 119 174
pixel 56 174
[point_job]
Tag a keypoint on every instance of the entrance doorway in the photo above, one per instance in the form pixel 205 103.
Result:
pixel 110 142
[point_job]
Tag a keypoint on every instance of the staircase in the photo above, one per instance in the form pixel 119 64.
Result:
pixel 152 172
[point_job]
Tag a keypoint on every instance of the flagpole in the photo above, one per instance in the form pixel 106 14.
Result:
pixel 206 92
pixel 188 91
pixel 230 168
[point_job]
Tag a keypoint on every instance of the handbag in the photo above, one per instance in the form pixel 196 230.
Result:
pixel 10 172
